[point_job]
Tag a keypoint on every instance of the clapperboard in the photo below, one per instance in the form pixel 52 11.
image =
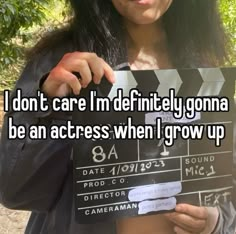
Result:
pixel 142 177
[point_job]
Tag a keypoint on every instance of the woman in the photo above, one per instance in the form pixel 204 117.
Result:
pixel 141 34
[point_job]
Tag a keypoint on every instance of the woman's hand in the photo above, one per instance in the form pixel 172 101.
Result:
pixel 193 219
pixel 61 80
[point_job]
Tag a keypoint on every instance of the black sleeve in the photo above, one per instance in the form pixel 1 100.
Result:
pixel 32 172
pixel 227 219
pixel 227 211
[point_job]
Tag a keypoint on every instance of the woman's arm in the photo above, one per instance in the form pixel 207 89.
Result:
pixel 31 171
pixel 203 220
pixel 227 219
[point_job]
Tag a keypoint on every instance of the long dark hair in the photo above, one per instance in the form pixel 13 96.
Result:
pixel 194 32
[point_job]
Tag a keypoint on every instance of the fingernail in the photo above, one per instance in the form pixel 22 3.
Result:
pixel 175 229
pixel 168 215
pixel 113 79
pixel 97 82
pixel 178 208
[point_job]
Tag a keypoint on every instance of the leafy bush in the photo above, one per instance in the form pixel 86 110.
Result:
pixel 14 16
pixel 22 23
pixel 228 11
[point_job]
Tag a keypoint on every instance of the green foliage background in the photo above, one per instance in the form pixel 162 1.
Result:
pixel 14 16
pixel 22 23
pixel 228 12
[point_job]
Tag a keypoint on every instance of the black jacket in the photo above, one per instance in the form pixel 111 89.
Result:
pixel 36 175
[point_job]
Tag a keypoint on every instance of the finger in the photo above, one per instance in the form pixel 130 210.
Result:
pixel 195 211
pixel 94 63
pixel 85 72
pixel 73 82
pixel 109 73
pixel 81 66
pixel 61 76
pixel 187 222
pixel 99 68
pixel 179 230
